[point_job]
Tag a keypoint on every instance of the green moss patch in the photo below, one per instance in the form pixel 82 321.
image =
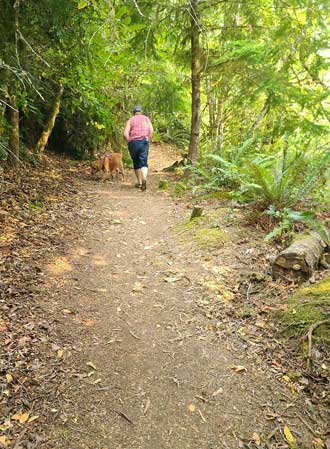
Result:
pixel 219 195
pixel 308 305
pixel 203 232
pixel 210 237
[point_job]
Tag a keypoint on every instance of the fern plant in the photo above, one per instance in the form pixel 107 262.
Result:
pixel 288 217
pixel 284 187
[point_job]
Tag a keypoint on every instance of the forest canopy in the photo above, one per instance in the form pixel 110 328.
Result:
pixel 242 87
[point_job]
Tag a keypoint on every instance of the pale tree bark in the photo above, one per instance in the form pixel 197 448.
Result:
pixel 300 259
pixel 195 81
pixel 43 140
pixel 12 116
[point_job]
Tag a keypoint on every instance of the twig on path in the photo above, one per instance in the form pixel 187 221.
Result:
pixel 113 341
pixel 103 389
pixel 309 337
pixel 248 292
pixel 123 415
pixel 133 335
pixel 146 408
pixel 175 380
pixel 201 415
pixel 202 398
pixel 309 427
pixel 78 430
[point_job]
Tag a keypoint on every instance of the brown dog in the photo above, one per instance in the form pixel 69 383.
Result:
pixel 109 164
pixel 114 163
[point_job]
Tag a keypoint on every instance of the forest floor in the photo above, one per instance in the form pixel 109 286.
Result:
pixel 149 329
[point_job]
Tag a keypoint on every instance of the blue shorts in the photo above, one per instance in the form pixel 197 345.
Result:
pixel 138 149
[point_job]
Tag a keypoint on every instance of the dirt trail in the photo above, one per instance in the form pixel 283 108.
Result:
pixel 145 368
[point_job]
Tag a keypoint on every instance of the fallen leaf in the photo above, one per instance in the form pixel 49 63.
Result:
pixel 238 368
pixel 33 418
pixel 138 287
pixel 9 378
pixel 260 323
pixel 318 443
pixel 60 353
pixel 288 435
pixel 7 425
pixel 173 279
pixel 218 391
pixel 67 311
pixel 256 438
pixel 24 417
pixel 21 417
pixel 3 326
pixel 4 441
pixel 16 417
pixel 270 416
pixel 192 407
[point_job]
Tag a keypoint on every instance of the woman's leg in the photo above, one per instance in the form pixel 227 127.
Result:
pixel 139 176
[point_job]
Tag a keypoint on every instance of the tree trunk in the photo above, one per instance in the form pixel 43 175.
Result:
pixel 12 115
pixel 195 81
pixel 297 262
pixel 43 140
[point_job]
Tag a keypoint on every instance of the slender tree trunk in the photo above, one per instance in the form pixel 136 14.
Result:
pixel 12 116
pixel 211 103
pixel 220 125
pixel 43 140
pixel 195 81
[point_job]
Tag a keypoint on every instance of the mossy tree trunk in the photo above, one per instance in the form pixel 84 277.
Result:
pixel 195 81
pixel 43 140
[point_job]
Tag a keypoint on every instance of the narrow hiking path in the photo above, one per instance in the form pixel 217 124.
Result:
pixel 147 365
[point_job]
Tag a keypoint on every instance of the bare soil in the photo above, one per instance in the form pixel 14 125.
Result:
pixel 144 330
pixel 150 357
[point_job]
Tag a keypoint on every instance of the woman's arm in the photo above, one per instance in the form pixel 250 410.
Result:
pixel 127 130
pixel 151 130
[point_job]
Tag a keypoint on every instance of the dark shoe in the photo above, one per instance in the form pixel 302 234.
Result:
pixel 144 186
pixel 138 185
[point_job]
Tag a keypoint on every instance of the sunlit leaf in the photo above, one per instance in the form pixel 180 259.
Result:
pixel 256 438
pixel 4 441
pixel 288 435
pixel 9 378
pixel 238 368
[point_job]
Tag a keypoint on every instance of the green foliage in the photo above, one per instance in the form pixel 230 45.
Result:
pixel 179 189
pixel 288 217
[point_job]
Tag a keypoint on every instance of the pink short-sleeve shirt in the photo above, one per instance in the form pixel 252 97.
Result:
pixel 140 126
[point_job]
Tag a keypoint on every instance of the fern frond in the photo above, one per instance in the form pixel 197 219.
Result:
pixel 261 178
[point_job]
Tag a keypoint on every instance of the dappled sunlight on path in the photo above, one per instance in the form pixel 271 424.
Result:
pixel 149 370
